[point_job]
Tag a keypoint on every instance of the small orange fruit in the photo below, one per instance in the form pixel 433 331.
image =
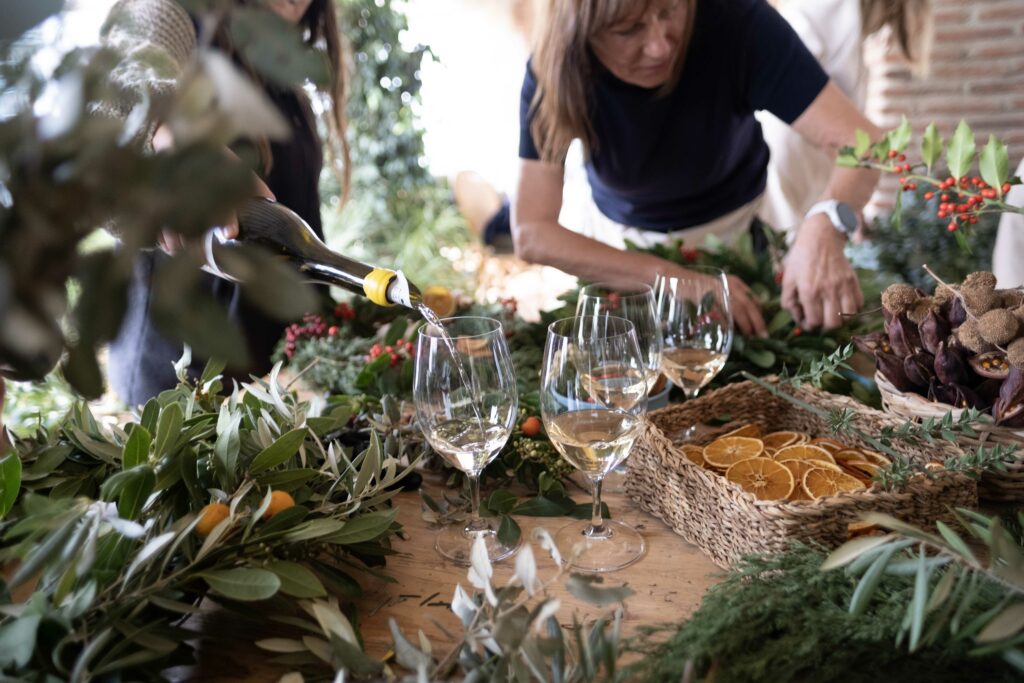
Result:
pixel 766 479
pixel 440 300
pixel 729 450
pixel 279 500
pixel 210 516
pixel 530 427
pixel 803 452
pixel 694 454
pixel 819 483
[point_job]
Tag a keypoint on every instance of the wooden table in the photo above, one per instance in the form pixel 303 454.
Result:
pixel 669 582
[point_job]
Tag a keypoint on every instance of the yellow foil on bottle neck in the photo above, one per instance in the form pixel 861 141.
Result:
pixel 375 286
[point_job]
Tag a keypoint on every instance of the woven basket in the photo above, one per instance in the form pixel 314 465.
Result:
pixel 994 487
pixel 727 523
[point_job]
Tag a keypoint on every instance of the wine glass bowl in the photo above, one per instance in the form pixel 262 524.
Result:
pixel 697 327
pixel 466 401
pixel 593 397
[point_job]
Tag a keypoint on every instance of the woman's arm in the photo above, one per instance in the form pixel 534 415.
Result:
pixel 539 238
pixel 819 284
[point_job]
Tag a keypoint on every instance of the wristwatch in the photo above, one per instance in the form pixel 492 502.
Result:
pixel 841 214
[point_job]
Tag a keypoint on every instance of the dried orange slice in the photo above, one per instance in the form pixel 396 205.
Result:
pixel 803 452
pixel 729 450
pixel 803 438
pixel 830 445
pixel 934 465
pixel 848 455
pixel 440 300
pixel 777 440
pixel 862 467
pixel 694 454
pixel 766 479
pixel 819 483
pixel 855 529
pixel 751 430
pixel 875 457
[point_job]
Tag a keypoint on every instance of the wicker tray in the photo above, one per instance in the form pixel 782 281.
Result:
pixel 726 522
pixel 994 487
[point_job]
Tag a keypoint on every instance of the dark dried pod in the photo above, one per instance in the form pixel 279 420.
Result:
pixel 891 366
pixel 897 339
pixel 949 365
pixel 992 364
pixel 918 368
pixel 934 331
pixel 957 312
pixel 988 392
pixel 869 343
pixel 1009 407
pixel 956 395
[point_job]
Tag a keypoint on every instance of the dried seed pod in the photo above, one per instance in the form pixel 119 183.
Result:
pixel 869 343
pixel 1015 353
pixel 949 366
pixel 919 310
pixel 903 336
pixel 919 368
pixel 998 326
pixel 891 366
pixel 978 299
pixel 934 331
pixel 896 298
pixel 1010 298
pixel 956 395
pixel 1018 313
pixel 969 335
pixel 981 278
pixel 957 312
pixel 988 392
pixel 1009 407
pixel 992 364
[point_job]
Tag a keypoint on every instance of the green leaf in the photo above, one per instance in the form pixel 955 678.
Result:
pixel 762 358
pixel 587 588
pixel 900 137
pixel 509 532
pixel 960 152
pixel 226 447
pixel 243 583
pixel 18 640
pixel 931 146
pixel 136 449
pixel 585 510
pixel 150 415
pixel 396 330
pixel 297 580
pixel 847 159
pixel 865 589
pixel 501 502
pixel 994 163
pixel 130 489
pixel 286 480
pixel 863 143
pixel 286 446
pixel 213 368
pixel 10 480
pixel 268 283
pixel 314 528
pixel 543 506
pixel 1008 623
pixel 275 48
pixel 851 550
pixel 919 601
pixel 364 528
pixel 171 420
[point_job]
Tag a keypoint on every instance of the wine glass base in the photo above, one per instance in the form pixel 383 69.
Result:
pixel 456 543
pixel 618 547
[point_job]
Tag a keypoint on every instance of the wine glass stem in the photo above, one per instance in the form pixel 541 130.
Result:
pixel 596 519
pixel 475 522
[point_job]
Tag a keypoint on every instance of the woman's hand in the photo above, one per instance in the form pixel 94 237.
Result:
pixel 746 312
pixel 819 284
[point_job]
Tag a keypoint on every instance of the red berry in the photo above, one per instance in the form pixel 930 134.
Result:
pixel 797 331
pixel 942 214
pixel 988 193
pixel 952 226
pixel 892 153
pixel 1006 187
pixel 902 180
pixel 974 220
pixel 929 195
pixel 903 157
pixel 395 359
pixel 778 278
pixel 332 330
pixel 944 197
pixel 912 186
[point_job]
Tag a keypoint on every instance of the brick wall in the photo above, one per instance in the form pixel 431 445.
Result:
pixel 976 73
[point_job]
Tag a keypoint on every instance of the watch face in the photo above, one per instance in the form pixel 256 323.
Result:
pixel 847 217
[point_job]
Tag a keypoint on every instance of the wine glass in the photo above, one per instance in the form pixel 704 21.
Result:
pixel 697 329
pixel 593 397
pixel 466 405
pixel 635 302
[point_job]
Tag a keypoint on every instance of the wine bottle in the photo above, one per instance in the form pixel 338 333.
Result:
pixel 266 223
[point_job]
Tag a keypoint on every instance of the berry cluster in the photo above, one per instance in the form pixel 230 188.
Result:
pixel 312 326
pixel 401 350
pixel 344 311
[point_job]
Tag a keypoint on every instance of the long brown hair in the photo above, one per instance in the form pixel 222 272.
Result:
pixel 320 29
pixel 564 66
pixel 909 21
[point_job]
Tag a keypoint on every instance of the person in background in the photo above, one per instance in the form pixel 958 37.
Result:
pixel 142 356
pixel 1008 254
pixel 663 94
pixel 835 32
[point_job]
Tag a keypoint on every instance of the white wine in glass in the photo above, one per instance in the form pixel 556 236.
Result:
pixel 593 419
pixel 466 405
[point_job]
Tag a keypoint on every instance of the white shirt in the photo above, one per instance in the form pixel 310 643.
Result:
pixel 798 172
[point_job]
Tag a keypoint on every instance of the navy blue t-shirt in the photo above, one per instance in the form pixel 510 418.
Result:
pixel 667 162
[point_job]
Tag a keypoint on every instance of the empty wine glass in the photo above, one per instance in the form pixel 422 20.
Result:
pixel 635 302
pixel 466 405
pixel 592 416
pixel 697 329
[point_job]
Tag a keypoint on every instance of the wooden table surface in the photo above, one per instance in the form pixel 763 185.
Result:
pixel 669 582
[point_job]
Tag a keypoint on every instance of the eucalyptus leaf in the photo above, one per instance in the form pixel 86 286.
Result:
pixel 297 580
pixel 245 584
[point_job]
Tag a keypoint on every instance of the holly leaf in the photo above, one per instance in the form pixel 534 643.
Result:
pixel 863 143
pixel 960 152
pixel 994 163
pixel 931 146
pixel 900 138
